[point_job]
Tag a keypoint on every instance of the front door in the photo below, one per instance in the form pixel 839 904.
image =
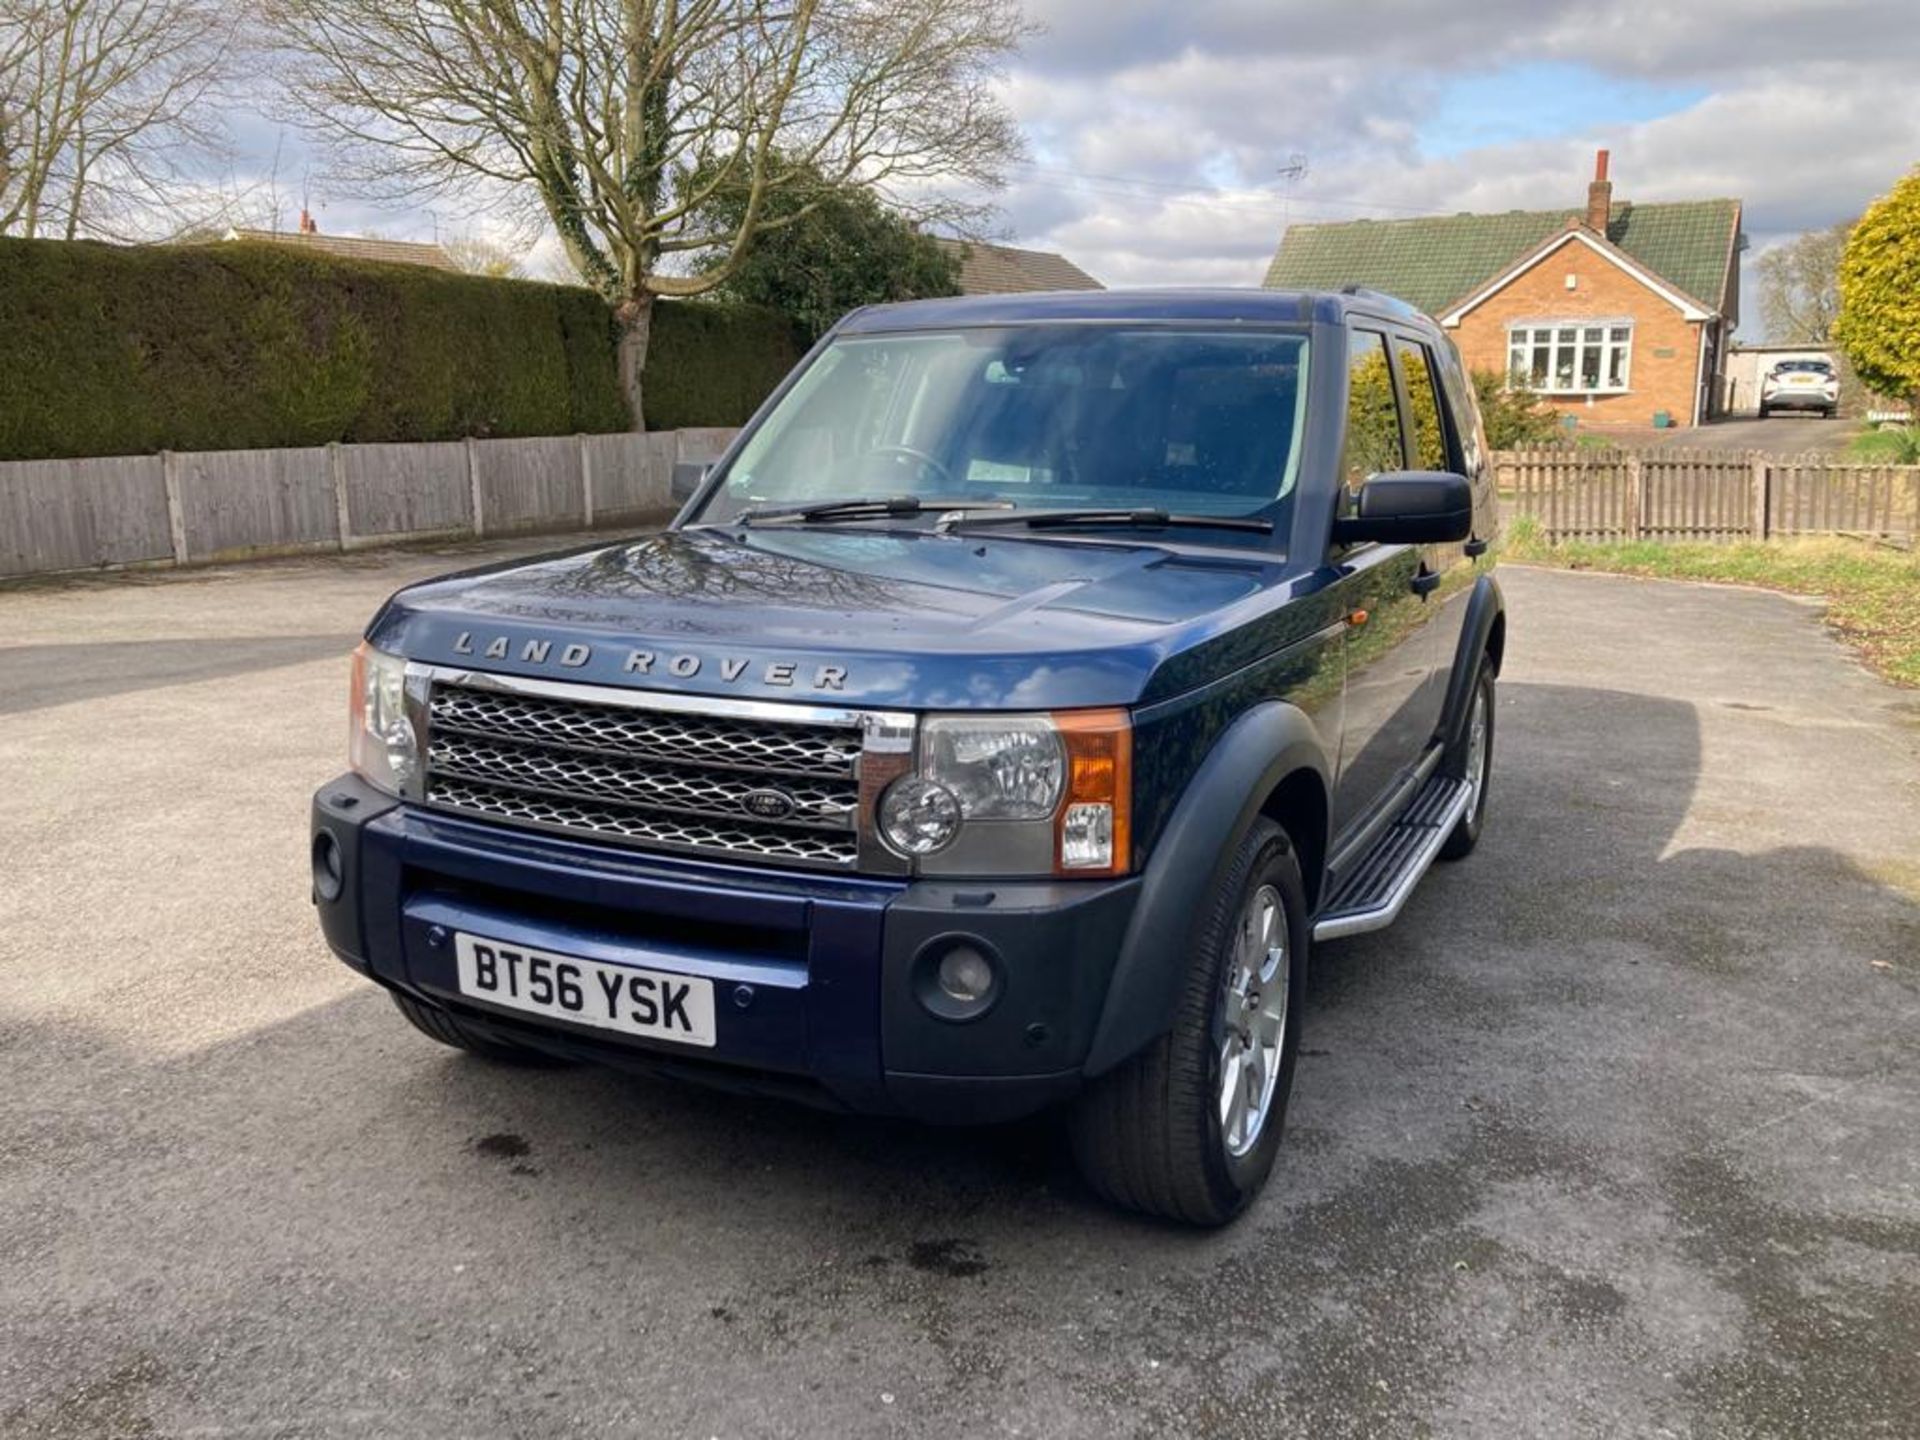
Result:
pixel 1390 709
pixel 1448 570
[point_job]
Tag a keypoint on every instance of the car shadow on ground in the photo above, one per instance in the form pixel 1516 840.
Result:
pixel 1648 1099
pixel 35 676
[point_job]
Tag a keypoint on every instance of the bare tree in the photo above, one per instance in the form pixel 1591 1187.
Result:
pixel 479 255
pixel 1799 286
pixel 603 113
pixel 104 108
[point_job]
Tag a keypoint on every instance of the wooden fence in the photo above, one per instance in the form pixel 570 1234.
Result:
pixel 182 508
pixel 1684 494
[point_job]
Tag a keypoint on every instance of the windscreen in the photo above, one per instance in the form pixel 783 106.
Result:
pixel 1192 421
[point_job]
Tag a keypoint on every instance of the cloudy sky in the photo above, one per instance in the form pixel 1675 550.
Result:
pixel 1159 130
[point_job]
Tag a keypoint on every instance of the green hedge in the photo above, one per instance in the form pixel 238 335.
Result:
pixel 106 350
pixel 711 364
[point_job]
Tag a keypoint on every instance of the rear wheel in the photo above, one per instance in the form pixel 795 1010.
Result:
pixel 1188 1128
pixel 437 1024
pixel 1470 758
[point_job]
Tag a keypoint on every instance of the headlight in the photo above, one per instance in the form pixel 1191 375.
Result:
pixel 999 767
pixel 1016 795
pixel 382 746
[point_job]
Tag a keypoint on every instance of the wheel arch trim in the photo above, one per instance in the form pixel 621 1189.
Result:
pixel 1263 750
pixel 1483 633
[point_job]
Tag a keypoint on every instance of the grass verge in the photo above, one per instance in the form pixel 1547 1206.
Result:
pixel 1872 591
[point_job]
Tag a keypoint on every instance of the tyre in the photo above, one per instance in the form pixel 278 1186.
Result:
pixel 1763 412
pixel 1470 758
pixel 1188 1128
pixel 437 1024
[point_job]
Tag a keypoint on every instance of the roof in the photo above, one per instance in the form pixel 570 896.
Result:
pixel 1254 307
pixel 353 247
pixel 1436 262
pixel 1003 270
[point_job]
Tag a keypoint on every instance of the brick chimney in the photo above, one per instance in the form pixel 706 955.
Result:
pixel 1600 195
pixel 308 227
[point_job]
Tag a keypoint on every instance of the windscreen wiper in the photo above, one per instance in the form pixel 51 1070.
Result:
pixel 1138 519
pixel 875 508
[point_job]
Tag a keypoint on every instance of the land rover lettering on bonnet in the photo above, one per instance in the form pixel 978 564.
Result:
pixel 1028 691
pixel 682 666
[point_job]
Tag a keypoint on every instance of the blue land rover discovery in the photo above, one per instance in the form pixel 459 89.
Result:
pixel 1003 717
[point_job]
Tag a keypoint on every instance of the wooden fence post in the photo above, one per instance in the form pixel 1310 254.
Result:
pixel 1636 495
pixel 473 488
pixel 586 482
pixel 176 509
pixel 337 468
pixel 1761 474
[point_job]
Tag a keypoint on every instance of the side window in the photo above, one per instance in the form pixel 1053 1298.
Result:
pixel 1429 434
pixel 1373 413
pixel 1464 409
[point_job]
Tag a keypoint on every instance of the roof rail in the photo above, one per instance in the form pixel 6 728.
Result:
pixel 1381 297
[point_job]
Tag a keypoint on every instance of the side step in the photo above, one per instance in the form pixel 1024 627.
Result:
pixel 1370 898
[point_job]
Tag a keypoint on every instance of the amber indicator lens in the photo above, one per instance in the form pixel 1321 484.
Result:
pixel 1095 826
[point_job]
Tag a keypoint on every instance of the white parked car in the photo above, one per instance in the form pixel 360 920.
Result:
pixel 1808 383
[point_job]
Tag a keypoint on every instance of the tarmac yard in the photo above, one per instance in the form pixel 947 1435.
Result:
pixel 1617 1132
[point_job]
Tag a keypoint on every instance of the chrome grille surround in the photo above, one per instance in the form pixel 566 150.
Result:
pixel 612 728
pixel 660 770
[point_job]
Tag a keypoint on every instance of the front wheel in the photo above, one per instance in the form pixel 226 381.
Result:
pixel 437 1024
pixel 1470 758
pixel 1188 1128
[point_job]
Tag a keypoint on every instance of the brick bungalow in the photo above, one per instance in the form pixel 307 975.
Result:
pixel 1615 315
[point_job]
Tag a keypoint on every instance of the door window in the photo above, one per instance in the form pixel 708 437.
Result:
pixel 1374 441
pixel 1423 403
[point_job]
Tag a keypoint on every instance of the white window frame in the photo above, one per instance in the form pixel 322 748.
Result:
pixel 1524 341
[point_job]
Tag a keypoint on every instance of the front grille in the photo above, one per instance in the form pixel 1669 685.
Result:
pixel 655 778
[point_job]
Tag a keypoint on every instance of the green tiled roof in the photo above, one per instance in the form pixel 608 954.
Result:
pixel 1432 263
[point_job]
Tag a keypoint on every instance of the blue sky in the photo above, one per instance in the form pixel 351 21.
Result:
pixel 1537 101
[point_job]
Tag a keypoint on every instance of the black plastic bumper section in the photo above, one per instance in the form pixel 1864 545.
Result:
pixel 819 980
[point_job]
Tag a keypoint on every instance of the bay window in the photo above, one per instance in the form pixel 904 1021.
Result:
pixel 1570 357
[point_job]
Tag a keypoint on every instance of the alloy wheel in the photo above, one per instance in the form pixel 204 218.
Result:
pixel 1252 1025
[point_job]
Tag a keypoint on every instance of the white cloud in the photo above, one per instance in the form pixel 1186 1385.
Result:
pixel 1186 114
pixel 1158 128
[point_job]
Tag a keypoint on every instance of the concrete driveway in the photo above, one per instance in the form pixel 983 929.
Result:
pixel 1617 1133
pixel 1776 435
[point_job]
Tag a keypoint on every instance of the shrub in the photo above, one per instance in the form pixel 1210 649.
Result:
pixel 1514 419
pixel 839 247
pixel 1879 324
pixel 712 364
pixel 108 350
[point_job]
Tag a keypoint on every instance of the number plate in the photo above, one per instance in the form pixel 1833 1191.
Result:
pixel 612 997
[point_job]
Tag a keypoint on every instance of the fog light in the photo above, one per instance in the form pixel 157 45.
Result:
pixel 329 870
pixel 957 978
pixel 966 975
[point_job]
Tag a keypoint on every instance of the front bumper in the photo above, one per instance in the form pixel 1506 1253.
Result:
pixel 814 976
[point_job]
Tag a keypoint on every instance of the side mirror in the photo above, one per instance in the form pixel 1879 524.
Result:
pixel 1410 507
pixel 688 477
